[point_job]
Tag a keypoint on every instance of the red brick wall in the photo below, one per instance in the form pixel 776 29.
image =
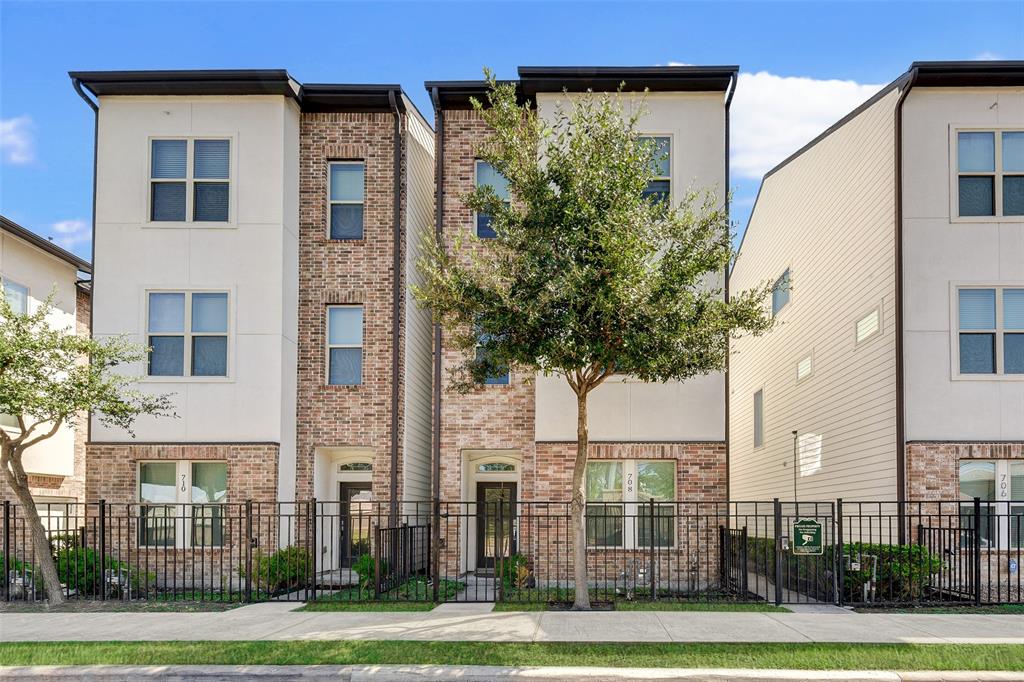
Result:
pixel 933 468
pixel 332 272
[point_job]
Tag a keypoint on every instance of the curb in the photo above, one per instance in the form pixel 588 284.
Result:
pixel 474 673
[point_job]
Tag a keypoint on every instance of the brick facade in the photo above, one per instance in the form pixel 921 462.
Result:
pixel 933 468
pixel 338 272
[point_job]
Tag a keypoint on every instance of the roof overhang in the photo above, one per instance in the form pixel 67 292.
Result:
pixel 197 82
pixel 457 94
pixel 535 79
pixel 966 74
pixel 46 245
pixel 323 97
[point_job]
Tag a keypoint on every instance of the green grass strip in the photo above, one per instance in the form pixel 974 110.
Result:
pixel 624 605
pixel 375 606
pixel 1008 657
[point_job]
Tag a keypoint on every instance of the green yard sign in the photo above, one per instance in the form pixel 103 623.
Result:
pixel 806 537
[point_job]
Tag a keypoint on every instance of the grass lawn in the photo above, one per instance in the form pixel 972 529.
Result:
pixel 626 605
pixel 412 595
pixel 116 605
pixel 799 656
pixel 331 605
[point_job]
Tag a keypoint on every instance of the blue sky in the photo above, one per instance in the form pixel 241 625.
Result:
pixel 805 64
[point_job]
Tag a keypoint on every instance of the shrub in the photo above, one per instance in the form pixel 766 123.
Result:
pixel 902 574
pixel 516 571
pixel 82 570
pixel 364 567
pixel 285 570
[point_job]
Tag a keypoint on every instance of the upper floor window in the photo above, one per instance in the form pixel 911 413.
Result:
pixel 180 503
pixel 188 333
pixel 189 180
pixel 780 293
pixel 991 330
pixel 488 176
pixel 345 345
pixel 990 173
pixel 346 199
pixel 499 378
pixel 660 188
pixel 16 295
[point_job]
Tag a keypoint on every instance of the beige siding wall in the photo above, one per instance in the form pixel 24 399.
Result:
pixel 418 332
pixel 941 253
pixel 828 217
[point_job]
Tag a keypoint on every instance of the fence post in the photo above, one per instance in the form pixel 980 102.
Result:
pixel 379 532
pixel 977 551
pixel 778 551
pixel 744 576
pixel 499 545
pixel 103 549
pixel 840 559
pixel 7 550
pixel 314 546
pixel 248 550
pixel 723 557
pixel 651 540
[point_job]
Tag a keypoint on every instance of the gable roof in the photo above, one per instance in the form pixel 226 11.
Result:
pixel 44 244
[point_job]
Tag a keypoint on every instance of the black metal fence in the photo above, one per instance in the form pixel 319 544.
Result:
pixel 832 552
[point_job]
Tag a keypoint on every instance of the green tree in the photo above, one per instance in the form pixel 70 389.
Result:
pixel 51 377
pixel 588 276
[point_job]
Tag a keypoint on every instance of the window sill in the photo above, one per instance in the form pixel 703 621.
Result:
pixel 342 387
pixel 179 225
pixel 187 380
pixel 988 377
pixel 356 242
pixel 962 220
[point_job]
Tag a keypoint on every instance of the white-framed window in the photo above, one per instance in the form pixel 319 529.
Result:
pixel 179 503
pixel 758 417
pixel 190 180
pixel 989 331
pixel 999 483
pixel 619 497
pixel 345 345
pixel 868 326
pixel 780 293
pixel 804 367
pixel 16 295
pixel 487 175
pixel 659 189
pixel 187 332
pixel 989 174
pixel 346 193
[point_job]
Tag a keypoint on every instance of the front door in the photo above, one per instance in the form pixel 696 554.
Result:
pixel 495 509
pixel 356 515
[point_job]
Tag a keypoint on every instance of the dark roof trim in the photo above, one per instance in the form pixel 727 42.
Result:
pixel 975 73
pixel 536 79
pixel 456 94
pixel 45 244
pixel 313 97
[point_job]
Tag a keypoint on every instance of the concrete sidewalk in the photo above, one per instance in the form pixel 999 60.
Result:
pixel 474 673
pixel 280 621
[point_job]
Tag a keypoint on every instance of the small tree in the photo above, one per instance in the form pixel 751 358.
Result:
pixel 588 276
pixel 48 378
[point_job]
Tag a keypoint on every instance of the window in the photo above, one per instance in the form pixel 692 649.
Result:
pixel 347 184
pixel 16 295
pixel 619 497
pixel 495 467
pixel 759 418
pixel 659 189
pixel 188 331
pixel 498 379
pixel 356 466
pixel 345 345
pixel 868 326
pixel 804 368
pixel 780 293
pixel 990 173
pixel 999 483
pixel 991 330
pixel 487 176
pixel 180 503
pixel 189 177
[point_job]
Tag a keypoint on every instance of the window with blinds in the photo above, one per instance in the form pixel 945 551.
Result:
pixel 190 180
pixel 989 173
pixel 990 334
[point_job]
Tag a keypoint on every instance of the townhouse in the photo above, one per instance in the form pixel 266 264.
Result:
pixel 513 440
pixel 895 242
pixel 31 269
pixel 260 236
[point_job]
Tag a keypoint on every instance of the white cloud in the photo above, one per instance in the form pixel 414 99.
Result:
pixel 987 56
pixel 17 144
pixel 773 116
pixel 71 233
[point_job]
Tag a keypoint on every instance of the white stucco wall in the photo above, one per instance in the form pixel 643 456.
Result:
pixel 623 409
pixel 42 273
pixel 254 258
pixel 940 253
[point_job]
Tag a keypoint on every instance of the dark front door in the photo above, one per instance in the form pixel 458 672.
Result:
pixel 495 509
pixel 356 514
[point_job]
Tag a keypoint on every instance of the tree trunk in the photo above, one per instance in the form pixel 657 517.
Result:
pixel 43 562
pixel 579 503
